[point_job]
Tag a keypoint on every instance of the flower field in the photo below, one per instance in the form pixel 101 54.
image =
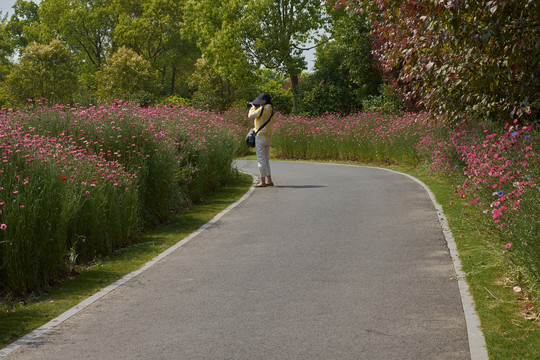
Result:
pixel 79 183
pixel 496 169
pixel 368 137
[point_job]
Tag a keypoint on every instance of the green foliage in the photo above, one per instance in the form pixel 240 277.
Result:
pixel 388 102
pixel 216 91
pixel 85 25
pixel 273 83
pixel 458 59
pixel 214 26
pixel 275 32
pixel 238 36
pixel 344 70
pixel 153 29
pixel 24 26
pixel 175 100
pixel 6 49
pixel 127 76
pixel 43 72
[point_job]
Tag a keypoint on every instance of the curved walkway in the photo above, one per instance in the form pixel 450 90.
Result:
pixel 334 262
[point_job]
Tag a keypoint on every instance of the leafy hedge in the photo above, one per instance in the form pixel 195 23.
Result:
pixel 78 183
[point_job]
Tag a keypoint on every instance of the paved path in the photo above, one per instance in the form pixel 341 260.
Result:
pixel 334 262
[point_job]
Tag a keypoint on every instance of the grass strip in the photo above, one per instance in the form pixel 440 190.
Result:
pixel 18 319
pixel 504 313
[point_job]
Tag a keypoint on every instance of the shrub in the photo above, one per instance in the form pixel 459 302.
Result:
pixel 79 183
pixel 43 72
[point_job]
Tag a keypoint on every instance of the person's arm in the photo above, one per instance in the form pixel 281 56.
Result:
pixel 254 112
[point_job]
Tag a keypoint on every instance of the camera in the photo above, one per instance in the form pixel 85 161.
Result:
pixel 249 104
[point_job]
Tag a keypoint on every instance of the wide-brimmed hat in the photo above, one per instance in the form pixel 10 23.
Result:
pixel 262 99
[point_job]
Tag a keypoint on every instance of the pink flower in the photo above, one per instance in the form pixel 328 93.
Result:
pixel 508 246
pixel 3 226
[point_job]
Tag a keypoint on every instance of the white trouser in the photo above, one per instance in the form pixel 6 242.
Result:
pixel 263 156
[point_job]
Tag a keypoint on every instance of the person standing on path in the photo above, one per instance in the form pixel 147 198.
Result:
pixel 261 111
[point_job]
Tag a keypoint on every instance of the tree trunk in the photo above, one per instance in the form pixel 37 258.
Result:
pixel 294 83
pixel 173 78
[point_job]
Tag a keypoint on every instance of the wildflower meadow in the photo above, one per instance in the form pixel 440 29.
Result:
pixel 79 183
pixel 495 168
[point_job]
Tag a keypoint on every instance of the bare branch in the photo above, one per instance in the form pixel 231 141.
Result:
pixel 314 46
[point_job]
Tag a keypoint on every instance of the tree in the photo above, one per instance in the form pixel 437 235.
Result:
pixel 85 25
pixel 153 29
pixel 345 72
pixel 237 37
pixel 274 32
pixel 6 49
pixel 214 26
pixel 214 91
pixel 274 83
pixel 127 76
pixel 43 72
pixel 460 58
pixel 24 26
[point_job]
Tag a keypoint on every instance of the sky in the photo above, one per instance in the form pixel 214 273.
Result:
pixel 6 7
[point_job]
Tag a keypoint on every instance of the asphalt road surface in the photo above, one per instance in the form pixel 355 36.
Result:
pixel 334 262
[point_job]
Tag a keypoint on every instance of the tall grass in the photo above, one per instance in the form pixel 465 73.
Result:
pixel 366 137
pixel 78 183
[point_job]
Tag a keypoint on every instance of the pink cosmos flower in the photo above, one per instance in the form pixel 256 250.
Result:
pixel 3 226
pixel 508 246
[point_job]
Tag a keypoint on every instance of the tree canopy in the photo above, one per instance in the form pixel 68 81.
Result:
pixel 452 58
pixel 236 37
pixel 43 72
pixel 345 72
pixel 459 58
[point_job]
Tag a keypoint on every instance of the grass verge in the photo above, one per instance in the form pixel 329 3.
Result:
pixel 17 318
pixel 504 312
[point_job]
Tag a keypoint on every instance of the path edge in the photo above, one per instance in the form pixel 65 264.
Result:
pixel 42 330
pixel 477 341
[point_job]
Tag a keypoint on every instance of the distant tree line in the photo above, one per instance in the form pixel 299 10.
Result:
pixel 205 53
pixel 452 58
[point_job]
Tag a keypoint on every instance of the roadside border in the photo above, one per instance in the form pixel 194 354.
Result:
pixel 477 341
pixel 25 340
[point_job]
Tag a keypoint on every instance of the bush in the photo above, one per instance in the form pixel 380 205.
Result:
pixel 77 184
pixel 128 76
pixel 43 72
pixel 388 102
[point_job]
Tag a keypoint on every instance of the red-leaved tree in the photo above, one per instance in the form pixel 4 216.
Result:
pixel 459 58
